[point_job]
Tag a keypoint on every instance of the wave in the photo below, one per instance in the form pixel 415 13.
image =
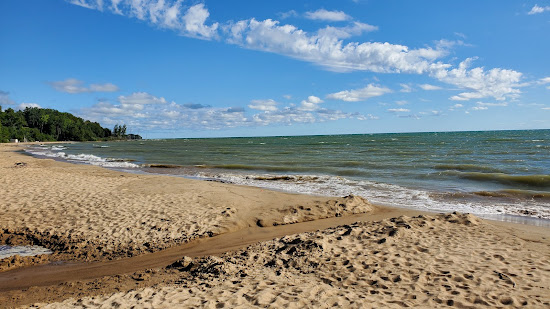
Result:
pixel 514 193
pixel 163 166
pixel 539 181
pixel 394 195
pixel 54 152
pixel 245 167
pixel 467 167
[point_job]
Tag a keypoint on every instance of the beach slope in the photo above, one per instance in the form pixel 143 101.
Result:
pixel 210 244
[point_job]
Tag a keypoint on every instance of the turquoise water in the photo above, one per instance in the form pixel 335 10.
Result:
pixel 493 172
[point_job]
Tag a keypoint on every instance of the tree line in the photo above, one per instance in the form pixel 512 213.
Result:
pixel 44 124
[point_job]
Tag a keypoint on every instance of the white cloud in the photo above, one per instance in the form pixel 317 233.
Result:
pixel 544 81
pixel 263 105
pixel 288 14
pixel 545 108
pixel 187 21
pixel 429 87
pixel 147 112
pixel 325 15
pixel 103 88
pixel 539 9
pixel 456 106
pixel 195 19
pixel 478 83
pixel 362 94
pixel 492 104
pixel 399 110
pixel 5 99
pixel 405 88
pixel 86 4
pixel 326 47
pixel 480 108
pixel 311 104
pixel 434 113
pixel 72 85
pixel 24 105
pixel 401 102
pixel 356 28
pixel 141 98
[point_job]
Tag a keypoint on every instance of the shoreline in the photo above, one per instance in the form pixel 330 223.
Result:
pixel 511 218
pixel 98 216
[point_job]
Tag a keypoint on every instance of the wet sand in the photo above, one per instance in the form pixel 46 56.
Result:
pixel 160 241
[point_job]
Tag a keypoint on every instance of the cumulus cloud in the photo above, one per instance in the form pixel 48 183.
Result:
pixel 188 21
pixel 456 106
pixel 194 22
pixel 311 104
pixel 357 95
pixel 478 83
pixel 429 87
pixel 5 98
pixel 480 108
pixel 325 47
pixel 325 15
pixel 72 85
pixel 539 9
pixel 263 105
pixel 24 105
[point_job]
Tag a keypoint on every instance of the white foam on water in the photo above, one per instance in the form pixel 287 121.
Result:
pixel 8 251
pixel 54 152
pixel 380 193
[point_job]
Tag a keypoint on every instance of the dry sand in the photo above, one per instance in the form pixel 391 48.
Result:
pixel 89 213
pixel 93 213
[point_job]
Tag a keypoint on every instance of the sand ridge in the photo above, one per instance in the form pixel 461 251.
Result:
pixel 452 260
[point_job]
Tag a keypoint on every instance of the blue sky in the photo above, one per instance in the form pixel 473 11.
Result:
pixel 248 68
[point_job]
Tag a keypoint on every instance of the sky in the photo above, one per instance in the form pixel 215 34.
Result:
pixel 215 68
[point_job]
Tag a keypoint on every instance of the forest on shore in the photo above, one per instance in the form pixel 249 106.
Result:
pixel 44 124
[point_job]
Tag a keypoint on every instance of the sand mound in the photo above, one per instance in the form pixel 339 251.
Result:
pixel 318 210
pixel 425 261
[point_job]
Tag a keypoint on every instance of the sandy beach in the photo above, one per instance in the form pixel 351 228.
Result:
pixel 147 241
